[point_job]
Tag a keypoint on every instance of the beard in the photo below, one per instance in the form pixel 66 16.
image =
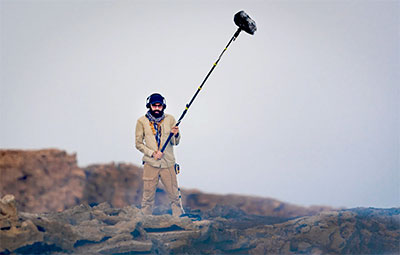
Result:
pixel 157 113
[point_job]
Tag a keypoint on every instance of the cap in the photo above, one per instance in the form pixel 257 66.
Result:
pixel 155 98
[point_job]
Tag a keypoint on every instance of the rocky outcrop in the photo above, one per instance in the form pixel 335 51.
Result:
pixel 117 184
pixel 50 180
pixel 351 231
pixel 250 204
pixel 103 229
pixel 43 180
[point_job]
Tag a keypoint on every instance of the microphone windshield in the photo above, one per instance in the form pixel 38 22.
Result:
pixel 244 22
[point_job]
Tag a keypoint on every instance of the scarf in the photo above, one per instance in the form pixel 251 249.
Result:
pixel 155 124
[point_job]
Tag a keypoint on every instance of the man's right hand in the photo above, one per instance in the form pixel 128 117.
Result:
pixel 157 155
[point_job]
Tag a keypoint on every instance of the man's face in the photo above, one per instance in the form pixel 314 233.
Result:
pixel 156 108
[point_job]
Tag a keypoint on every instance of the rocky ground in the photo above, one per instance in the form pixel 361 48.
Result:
pixel 50 205
pixel 103 229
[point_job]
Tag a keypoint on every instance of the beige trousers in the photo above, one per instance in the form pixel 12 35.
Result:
pixel 151 176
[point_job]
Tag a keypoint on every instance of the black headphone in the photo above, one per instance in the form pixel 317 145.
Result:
pixel 164 103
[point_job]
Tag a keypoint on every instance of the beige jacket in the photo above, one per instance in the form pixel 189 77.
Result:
pixel 146 142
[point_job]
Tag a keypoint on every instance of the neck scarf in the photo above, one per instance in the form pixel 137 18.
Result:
pixel 155 124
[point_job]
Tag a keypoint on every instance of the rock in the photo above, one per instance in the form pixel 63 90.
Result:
pixel 89 231
pixel 127 247
pixel 104 229
pixel 15 233
pixel 118 184
pixel 8 207
pixel 50 181
pixel 153 223
pixel 94 211
pixel 358 231
pixel 195 199
pixel 42 180
pixel 227 212
pixel 56 234
pixel 22 232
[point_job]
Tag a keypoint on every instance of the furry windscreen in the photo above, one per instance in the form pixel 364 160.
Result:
pixel 243 21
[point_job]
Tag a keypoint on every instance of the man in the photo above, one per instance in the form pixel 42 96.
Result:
pixel 152 130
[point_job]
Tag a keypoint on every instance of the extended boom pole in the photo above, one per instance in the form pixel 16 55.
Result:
pixel 244 22
pixel 200 87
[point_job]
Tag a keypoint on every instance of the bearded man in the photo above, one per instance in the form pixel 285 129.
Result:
pixel 152 130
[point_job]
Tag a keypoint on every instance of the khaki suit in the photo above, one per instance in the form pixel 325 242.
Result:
pixel 154 169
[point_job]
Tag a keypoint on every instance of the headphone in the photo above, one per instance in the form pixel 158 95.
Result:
pixel 164 103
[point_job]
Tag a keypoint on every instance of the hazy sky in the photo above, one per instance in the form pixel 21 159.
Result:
pixel 305 111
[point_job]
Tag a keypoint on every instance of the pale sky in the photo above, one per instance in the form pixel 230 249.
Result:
pixel 305 111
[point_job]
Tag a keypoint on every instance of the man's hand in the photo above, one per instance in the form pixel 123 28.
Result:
pixel 157 155
pixel 175 130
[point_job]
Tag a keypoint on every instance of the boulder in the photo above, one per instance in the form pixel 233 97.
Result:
pixel 15 233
